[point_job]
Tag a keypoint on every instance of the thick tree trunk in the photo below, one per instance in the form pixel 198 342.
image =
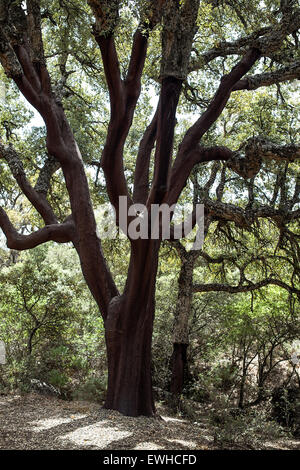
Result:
pixel 128 332
pixel 129 360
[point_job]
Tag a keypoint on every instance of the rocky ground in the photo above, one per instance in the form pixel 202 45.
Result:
pixel 34 421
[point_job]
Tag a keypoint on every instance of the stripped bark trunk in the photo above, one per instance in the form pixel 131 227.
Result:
pixel 128 332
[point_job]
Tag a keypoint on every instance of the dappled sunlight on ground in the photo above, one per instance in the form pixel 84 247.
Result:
pixel 189 444
pixel 35 421
pixel 98 435
pixel 49 423
pixel 148 446
pixel 6 400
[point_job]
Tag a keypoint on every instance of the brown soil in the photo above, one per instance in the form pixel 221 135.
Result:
pixel 35 421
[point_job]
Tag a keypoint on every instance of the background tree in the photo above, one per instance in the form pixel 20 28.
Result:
pixel 128 316
pixel 255 241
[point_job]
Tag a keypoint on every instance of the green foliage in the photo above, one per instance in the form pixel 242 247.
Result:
pixel 246 430
pixel 49 322
pixel 91 389
pixel 48 319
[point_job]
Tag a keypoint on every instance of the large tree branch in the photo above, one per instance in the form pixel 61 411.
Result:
pixel 252 82
pixel 268 40
pixel 225 48
pixel 136 64
pixel 61 233
pixel 170 92
pixel 187 156
pixel 112 73
pixel 246 162
pixel 35 32
pixel 245 217
pixel 112 156
pixel 37 199
pixel 179 28
pixel 264 148
pixel 50 166
pixel 33 81
pixel 141 175
pixel 213 287
pixel 106 13
pixel 218 103
pixel 123 99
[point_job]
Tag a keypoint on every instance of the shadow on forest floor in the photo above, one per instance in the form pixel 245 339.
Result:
pixel 34 421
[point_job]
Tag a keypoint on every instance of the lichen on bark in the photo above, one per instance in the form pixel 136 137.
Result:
pixel 106 14
pixel 179 28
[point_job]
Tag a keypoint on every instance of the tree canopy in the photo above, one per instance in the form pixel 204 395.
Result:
pixel 136 97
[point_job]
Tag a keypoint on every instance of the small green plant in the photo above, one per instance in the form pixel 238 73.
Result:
pixel 93 389
pixel 58 379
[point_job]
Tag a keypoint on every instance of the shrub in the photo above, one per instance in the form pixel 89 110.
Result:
pixel 93 389
pixel 244 429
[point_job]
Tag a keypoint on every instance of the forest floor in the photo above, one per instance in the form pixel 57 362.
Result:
pixel 34 421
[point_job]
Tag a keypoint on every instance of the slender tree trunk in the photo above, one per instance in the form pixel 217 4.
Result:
pixel 30 339
pixel 128 332
pixel 179 367
pixel 179 364
pixel 242 389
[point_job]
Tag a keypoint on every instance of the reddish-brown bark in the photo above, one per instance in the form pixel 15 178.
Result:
pixel 128 331
pixel 128 317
